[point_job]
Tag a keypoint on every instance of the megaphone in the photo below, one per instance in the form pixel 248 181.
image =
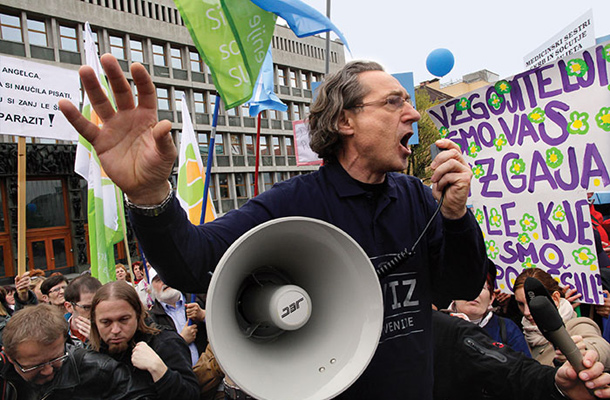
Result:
pixel 294 310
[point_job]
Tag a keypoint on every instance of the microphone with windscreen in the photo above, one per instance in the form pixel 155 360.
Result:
pixel 551 325
pixel 533 287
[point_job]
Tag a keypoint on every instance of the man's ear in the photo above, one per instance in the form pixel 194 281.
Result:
pixel 69 307
pixel 345 123
pixel 556 296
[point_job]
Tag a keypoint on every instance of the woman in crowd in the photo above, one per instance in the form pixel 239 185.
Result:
pixel 584 331
pixel 122 274
pixel 480 312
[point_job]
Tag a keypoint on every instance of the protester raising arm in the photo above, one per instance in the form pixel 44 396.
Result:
pixel 135 149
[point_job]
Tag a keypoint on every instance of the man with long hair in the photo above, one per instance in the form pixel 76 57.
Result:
pixel 38 362
pixel 161 357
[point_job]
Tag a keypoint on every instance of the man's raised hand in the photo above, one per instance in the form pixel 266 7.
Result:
pixel 135 149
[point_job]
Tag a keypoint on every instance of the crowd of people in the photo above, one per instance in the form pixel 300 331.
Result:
pixel 143 336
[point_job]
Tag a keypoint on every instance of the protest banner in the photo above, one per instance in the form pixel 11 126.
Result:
pixel 537 143
pixel 29 92
pixel 304 153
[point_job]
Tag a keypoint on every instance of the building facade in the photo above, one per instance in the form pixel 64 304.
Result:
pixel 150 32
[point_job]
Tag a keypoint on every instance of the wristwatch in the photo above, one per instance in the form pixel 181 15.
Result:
pixel 153 210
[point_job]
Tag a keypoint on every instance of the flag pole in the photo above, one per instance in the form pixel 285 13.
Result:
pixel 208 168
pixel 257 154
pixel 120 200
pixel 21 222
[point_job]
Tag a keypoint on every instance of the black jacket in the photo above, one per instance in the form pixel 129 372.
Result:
pixel 179 382
pixel 470 365
pixel 85 375
pixel 160 317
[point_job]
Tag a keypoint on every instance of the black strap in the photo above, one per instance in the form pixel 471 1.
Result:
pixel 502 330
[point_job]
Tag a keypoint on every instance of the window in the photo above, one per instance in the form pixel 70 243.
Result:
pixel 250 144
pixel 305 80
pixel 37 33
pixel 232 112
pixel 219 145
pixel 277 147
pixel 162 99
pixel 212 188
pixel 199 102
pixel 202 138
pixel 178 95
pixel 196 64
pixel 45 204
pixel 223 185
pixel 159 55
pixel 296 112
pixel 281 77
pixel 176 58
pixel 212 103
pixel 67 38
pixel 137 53
pixel 275 114
pixel 289 146
pixel 10 28
pixel 236 145
pixel 294 82
pixel 268 178
pixel 240 186
pixel 251 177
pixel 117 47
pixel 264 147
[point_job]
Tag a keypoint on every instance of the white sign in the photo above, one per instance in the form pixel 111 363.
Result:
pixel 537 143
pixel 576 37
pixel 29 92
pixel 305 155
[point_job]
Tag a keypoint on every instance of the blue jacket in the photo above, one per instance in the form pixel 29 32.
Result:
pixel 514 337
pixel 451 259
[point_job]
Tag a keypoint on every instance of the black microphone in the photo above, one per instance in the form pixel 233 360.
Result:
pixel 551 325
pixel 533 287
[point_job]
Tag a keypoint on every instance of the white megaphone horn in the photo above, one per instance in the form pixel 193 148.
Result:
pixel 294 310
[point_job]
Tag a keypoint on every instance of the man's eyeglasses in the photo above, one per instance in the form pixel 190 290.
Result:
pixel 55 363
pixel 86 307
pixel 395 102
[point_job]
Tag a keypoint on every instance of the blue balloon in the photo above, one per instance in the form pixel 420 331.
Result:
pixel 440 62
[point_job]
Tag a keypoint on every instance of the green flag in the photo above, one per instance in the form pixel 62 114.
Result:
pixel 232 38
pixel 105 201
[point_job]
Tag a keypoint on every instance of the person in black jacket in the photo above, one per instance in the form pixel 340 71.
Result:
pixel 470 365
pixel 38 362
pixel 160 356
pixel 173 310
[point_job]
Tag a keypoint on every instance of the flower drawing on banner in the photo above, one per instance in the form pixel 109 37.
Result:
pixel 503 87
pixel 554 157
pixel 495 101
pixel 478 171
pixel 478 215
pixel 495 218
pixel 517 167
pixel 524 238
pixel 584 256
pixel 473 149
pixel 578 124
pixel 559 213
pixel 603 118
pixel 463 104
pixel 528 263
pixel 528 222
pixel 492 249
pixel 577 67
pixel 443 131
pixel 537 116
pixel 606 52
pixel 500 141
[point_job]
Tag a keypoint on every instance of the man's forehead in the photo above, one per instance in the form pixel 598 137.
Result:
pixel 380 83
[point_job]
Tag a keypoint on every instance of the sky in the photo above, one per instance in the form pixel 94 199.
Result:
pixel 481 34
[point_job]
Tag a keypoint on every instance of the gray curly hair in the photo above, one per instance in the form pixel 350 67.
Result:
pixel 338 92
